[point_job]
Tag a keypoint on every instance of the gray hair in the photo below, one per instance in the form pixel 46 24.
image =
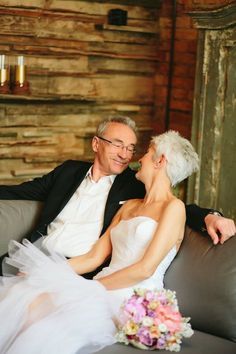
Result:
pixel 116 119
pixel 182 160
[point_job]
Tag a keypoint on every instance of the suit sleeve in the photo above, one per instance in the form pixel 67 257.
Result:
pixel 195 217
pixel 37 189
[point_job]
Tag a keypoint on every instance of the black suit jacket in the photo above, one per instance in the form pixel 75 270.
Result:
pixel 56 188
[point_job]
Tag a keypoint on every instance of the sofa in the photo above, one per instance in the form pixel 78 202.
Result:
pixel 203 276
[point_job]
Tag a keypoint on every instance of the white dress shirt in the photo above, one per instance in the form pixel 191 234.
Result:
pixel 78 226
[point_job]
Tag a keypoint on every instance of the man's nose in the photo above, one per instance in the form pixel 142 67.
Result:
pixel 123 152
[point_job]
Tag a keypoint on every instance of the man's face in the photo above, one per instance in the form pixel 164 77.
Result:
pixel 112 155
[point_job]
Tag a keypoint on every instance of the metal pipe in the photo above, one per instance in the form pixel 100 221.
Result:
pixel 171 65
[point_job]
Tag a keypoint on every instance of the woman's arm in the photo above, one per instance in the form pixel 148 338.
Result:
pixel 100 251
pixel 169 233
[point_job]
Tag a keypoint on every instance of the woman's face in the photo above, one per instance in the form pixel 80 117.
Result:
pixel 146 164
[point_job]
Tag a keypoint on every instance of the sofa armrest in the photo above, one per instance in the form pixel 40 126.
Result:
pixel 204 278
pixel 17 219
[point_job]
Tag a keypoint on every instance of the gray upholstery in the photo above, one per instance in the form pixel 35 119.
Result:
pixel 203 276
pixel 17 219
pixel 199 343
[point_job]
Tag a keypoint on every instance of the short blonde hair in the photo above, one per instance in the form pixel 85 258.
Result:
pixel 182 160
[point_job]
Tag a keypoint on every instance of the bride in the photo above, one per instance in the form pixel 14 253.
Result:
pixel 49 308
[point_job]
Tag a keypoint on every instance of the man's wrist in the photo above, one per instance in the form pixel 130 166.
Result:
pixel 215 212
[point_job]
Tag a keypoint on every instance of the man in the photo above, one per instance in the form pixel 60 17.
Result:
pixel 80 198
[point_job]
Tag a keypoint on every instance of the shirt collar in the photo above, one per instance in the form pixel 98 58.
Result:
pixel 111 178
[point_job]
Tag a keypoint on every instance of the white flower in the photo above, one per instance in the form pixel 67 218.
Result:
pixel 162 327
pixel 147 321
pixel 187 330
pixel 174 347
pixel 121 337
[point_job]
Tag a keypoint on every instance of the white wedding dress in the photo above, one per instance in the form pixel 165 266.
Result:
pixel 74 315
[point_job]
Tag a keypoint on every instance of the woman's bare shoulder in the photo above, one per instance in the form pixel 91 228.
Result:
pixel 176 202
pixel 175 205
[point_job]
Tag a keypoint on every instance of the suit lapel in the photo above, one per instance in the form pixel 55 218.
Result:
pixel 79 177
pixel 114 197
pixel 119 182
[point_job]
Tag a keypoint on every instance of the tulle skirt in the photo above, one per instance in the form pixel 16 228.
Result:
pixel 51 309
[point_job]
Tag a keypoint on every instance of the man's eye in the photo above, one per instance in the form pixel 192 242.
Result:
pixel 118 145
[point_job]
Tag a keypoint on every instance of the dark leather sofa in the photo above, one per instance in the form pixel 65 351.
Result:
pixel 203 276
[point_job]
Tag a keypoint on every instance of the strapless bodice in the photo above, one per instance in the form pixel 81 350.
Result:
pixel 130 239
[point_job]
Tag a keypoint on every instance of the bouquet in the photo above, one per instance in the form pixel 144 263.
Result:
pixel 150 319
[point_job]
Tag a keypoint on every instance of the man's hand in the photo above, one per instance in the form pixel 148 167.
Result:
pixel 219 228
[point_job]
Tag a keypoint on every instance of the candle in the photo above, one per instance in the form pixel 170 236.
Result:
pixel 21 74
pixel 4 71
pixel 21 60
pixel 21 85
pixel 2 61
pixel 20 70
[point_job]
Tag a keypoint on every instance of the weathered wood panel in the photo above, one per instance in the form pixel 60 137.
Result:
pixel 80 70
pixel 89 7
pixel 214 128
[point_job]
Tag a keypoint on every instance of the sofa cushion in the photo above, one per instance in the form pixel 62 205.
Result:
pixel 204 277
pixel 199 343
pixel 18 218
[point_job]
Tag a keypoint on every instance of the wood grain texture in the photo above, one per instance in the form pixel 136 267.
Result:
pixel 80 70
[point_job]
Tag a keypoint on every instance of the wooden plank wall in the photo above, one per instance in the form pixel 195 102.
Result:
pixel 80 70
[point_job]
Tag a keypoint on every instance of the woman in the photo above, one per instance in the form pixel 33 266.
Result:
pixel 50 309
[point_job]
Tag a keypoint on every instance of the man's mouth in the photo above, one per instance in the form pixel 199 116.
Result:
pixel 120 163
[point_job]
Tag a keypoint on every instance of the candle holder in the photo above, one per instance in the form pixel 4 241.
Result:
pixel 20 83
pixel 4 75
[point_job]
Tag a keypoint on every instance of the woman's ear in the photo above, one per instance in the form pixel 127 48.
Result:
pixel 95 144
pixel 160 161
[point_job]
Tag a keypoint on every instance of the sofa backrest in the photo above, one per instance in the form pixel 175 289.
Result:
pixel 204 278
pixel 17 219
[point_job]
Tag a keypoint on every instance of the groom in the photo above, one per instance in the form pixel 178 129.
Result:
pixel 81 198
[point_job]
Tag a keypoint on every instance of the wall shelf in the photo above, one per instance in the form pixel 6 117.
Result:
pixel 18 98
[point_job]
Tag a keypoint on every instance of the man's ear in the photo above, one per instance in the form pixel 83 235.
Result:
pixel 95 144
